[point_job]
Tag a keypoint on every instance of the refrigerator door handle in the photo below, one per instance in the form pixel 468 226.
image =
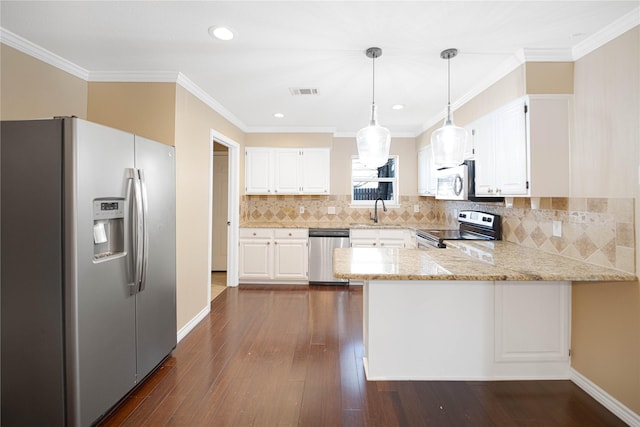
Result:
pixel 137 229
pixel 145 231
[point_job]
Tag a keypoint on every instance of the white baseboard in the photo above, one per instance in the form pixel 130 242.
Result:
pixel 604 398
pixel 193 322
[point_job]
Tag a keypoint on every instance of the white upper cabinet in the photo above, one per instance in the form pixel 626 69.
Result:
pixel 522 149
pixel 315 167
pixel 277 171
pixel 427 180
pixel 286 170
pixel 258 171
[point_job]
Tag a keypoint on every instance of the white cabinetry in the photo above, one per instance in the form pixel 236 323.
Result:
pixel 522 149
pixel 532 321
pixel 275 171
pixel 255 263
pixel 258 169
pixel 270 255
pixel 427 180
pixel 315 165
pixel 380 238
pixel 291 254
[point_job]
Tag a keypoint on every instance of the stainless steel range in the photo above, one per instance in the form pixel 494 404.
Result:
pixel 474 225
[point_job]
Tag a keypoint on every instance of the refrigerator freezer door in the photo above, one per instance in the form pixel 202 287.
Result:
pixel 100 304
pixel 156 302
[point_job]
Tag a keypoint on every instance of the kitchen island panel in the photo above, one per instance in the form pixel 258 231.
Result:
pixel 445 330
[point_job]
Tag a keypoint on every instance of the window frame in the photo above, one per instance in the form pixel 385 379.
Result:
pixel 395 182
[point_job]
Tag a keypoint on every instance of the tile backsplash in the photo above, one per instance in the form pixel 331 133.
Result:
pixel 599 231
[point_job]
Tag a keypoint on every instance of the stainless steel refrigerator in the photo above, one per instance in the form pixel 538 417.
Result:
pixel 87 266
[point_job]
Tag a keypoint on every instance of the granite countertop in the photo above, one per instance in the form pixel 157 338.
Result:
pixel 497 260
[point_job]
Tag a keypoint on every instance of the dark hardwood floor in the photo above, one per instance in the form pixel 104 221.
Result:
pixel 292 356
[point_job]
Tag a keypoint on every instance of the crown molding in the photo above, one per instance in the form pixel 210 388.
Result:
pixel 35 51
pixel 544 55
pixel 273 129
pixel 134 76
pixel 197 91
pixel 608 33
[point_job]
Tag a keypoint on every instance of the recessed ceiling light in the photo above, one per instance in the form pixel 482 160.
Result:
pixel 397 107
pixel 221 33
pixel 278 115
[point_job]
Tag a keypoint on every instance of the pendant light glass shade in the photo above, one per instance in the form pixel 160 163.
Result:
pixel 373 141
pixel 448 144
pixel 449 141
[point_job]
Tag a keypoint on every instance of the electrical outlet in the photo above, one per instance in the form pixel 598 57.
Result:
pixel 301 209
pixel 557 228
pixel 331 210
pixel 416 208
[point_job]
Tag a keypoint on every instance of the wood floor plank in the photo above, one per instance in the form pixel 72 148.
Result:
pixel 292 356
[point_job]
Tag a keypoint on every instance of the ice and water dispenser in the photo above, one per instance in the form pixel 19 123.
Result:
pixel 108 228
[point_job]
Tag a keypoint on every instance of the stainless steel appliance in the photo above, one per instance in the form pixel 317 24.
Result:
pixel 458 183
pixel 87 266
pixel 473 225
pixel 322 242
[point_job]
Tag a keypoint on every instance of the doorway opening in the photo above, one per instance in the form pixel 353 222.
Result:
pixel 224 204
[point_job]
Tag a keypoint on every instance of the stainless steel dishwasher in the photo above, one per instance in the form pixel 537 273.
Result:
pixel 322 242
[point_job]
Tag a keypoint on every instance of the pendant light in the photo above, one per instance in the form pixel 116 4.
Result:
pixel 373 141
pixel 449 141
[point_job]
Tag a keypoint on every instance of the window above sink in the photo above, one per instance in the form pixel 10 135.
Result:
pixel 369 184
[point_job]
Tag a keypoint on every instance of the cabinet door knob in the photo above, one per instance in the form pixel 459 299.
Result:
pixel 381 244
pixel 374 244
pixel 254 233
pixel 289 234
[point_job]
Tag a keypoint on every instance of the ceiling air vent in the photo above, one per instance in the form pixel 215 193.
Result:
pixel 295 91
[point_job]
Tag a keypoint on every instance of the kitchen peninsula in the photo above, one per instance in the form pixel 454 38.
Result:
pixel 472 311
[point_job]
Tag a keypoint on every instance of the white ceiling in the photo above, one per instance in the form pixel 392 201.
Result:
pixel 281 45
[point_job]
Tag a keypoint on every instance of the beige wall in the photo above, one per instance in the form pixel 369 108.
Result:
pixel 549 77
pixel 194 121
pixel 32 89
pixel 607 134
pixel 146 109
pixel 605 158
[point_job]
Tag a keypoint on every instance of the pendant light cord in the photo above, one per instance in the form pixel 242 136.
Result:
pixel 448 90
pixel 373 81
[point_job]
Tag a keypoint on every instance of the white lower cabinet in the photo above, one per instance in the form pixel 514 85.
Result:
pixel 269 255
pixel 291 255
pixel 380 238
pixel 532 321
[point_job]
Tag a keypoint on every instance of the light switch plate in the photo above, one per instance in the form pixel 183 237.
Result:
pixel 301 209
pixel 557 228
pixel 416 208
pixel 331 210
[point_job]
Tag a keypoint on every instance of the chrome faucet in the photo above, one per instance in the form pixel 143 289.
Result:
pixel 375 210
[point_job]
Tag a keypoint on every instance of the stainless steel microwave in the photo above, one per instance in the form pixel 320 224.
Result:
pixel 453 183
pixel 458 183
